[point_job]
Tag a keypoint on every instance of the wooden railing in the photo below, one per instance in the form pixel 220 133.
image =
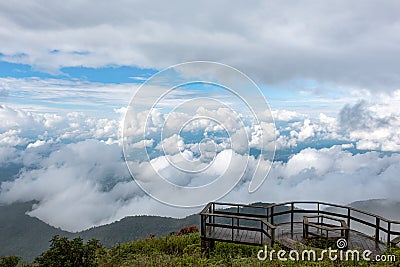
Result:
pixel 267 216
pixel 260 224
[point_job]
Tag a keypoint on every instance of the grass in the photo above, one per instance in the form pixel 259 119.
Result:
pixel 185 250
pixel 175 249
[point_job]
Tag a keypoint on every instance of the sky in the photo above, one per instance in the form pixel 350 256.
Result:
pixel 69 73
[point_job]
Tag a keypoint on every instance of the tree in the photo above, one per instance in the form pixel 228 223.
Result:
pixel 70 253
pixel 9 261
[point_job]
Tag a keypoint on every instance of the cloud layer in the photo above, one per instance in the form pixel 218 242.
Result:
pixel 72 163
pixel 87 183
pixel 353 44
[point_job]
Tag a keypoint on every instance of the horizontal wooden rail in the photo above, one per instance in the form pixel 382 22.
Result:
pixel 271 212
pixel 210 216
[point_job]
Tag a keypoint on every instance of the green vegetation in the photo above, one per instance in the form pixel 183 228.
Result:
pixel 185 250
pixel 9 261
pixel 321 242
pixel 176 249
pixel 70 253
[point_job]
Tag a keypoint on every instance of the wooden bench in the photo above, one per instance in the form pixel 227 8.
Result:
pixel 324 227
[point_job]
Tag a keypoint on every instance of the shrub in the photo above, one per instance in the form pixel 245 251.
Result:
pixel 9 261
pixel 68 253
pixel 188 230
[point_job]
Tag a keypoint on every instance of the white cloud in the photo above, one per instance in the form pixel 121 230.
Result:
pixel 9 155
pixel 70 182
pixel 329 174
pixel 38 143
pixel 367 145
pixel 16 118
pixel 11 138
pixel 88 179
pixel 55 96
pixel 374 125
pixel 171 145
pixel 285 115
pixel 71 185
pixel 143 143
pixel 347 146
pixel 263 136
pixel 306 130
pixel 22 127
pixel 355 43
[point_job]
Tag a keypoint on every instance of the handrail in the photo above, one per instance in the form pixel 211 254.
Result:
pixel 242 217
pixel 308 202
pixel 208 212
pixel 334 205
pixel 206 207
pixel 270 214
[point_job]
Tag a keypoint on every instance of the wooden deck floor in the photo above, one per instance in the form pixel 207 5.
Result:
pixel 283 234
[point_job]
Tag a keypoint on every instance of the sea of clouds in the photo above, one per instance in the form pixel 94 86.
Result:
pixel 72 164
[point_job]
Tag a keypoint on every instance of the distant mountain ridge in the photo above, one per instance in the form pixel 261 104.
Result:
pixel 389 209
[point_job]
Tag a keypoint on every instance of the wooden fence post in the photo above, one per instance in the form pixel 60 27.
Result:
pixel 348 217
pixel 377 229
pixel 272 236
pixel 291 218
pixel 272 215
pixel 261 231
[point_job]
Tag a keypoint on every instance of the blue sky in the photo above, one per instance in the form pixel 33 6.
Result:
pixel 107 74
pixel 301 95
